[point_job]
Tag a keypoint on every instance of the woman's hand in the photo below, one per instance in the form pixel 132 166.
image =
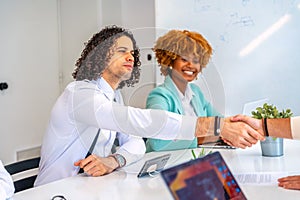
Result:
pixel 290 182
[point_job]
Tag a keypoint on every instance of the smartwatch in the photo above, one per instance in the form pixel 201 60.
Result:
pixel 217 129
pixel 120 159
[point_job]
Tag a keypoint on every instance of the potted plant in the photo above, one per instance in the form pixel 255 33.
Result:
pixel 201 153
pixel 272 146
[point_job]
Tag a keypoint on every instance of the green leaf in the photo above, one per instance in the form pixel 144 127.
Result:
pixel 270 111
pixel 193 153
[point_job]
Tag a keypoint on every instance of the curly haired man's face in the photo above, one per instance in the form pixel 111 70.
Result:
pixel 187 66
pixel 121 63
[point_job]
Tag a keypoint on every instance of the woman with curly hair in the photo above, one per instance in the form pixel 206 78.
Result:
pixel 181 56
pixel 86 120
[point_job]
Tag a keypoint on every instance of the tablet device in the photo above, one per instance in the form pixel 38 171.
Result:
pixel 154 165
pixel 207 177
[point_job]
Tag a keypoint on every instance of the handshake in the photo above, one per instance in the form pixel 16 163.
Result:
pixel 240 131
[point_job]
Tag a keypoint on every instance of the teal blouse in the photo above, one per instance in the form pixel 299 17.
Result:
pixel 165 97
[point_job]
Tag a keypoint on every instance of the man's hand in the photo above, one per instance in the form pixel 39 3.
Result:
pixel 254 123
pixel 290 182
pixel 239 134
pixel 97 166
pixel 234 131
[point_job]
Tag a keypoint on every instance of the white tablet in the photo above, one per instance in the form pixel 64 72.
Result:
pixel 154 165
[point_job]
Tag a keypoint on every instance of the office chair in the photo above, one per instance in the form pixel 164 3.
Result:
pixel 20 167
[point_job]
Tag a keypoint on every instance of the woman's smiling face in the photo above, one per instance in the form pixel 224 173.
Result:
pixel 187 66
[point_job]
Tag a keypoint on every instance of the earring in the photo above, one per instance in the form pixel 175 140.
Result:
pixel 169 70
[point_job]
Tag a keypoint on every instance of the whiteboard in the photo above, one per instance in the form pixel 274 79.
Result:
pixel 256 49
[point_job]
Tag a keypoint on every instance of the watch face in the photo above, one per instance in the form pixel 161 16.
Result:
pixel 120 159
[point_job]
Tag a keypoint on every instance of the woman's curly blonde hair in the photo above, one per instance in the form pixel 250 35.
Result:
pixel 177 43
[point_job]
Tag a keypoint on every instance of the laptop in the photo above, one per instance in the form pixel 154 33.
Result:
pixel 252 105
pixel 220 144
pixel 207 177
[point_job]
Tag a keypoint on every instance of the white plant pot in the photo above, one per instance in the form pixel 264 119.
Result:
pixel 272 147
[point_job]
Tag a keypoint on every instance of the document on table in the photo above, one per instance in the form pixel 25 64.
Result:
pixel 260 178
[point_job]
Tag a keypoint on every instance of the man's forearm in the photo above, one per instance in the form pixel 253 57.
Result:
pixel 279 127
pixel 205 126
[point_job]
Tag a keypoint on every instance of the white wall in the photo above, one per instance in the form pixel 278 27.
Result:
pixel 79 20
pixel 139 17
pixel 144 30
pixel 29 64
pixel 271 28
pixel 41 41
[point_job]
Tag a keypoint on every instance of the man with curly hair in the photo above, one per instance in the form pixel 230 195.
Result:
pixel 85 120
pixel 181 55
pixel 109 61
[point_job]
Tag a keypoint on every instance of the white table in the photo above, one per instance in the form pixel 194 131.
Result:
pixel 124 184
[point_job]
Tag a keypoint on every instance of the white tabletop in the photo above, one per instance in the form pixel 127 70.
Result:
pixel 124 184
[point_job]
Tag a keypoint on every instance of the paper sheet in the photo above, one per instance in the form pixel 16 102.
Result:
pixel 264 178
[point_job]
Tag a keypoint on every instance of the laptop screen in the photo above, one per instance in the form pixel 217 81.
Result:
pixel 203 178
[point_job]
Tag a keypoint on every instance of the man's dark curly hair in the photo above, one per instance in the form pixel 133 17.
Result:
pixel 98 52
